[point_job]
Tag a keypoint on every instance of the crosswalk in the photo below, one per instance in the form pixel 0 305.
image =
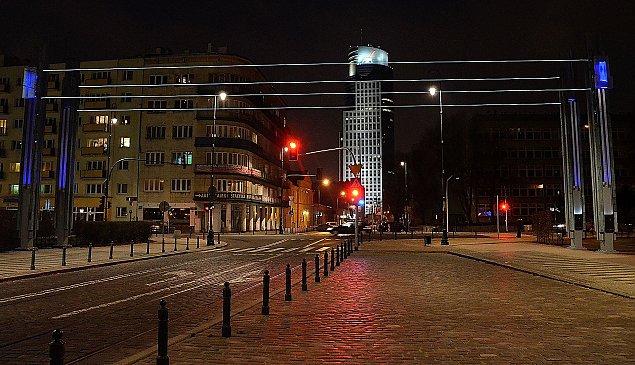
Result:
pixel 581 267
pixel 313 247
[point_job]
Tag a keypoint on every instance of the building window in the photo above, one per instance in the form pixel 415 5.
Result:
pixel 125 119
pixel 123 165
pixel 183 104
pixel 122 212
pixel 46 189
pixel 95 165
pixel 124 142
pixel 122 188
pixel 155 158
pixel 155 132
pixel 3 127
pixel 16 145
pixel 153 185
pixel 127 75
pixel 126 98
pixel 14 167
pixel 184 78
pixel 14 189
pixel 19 102
pixel 181 185
pixel 100 119
pixel 182 158
pixel 101 75
pixel 18 123
pixel 94 188
pixel 157 104
pixel 158 79
pixel 182 131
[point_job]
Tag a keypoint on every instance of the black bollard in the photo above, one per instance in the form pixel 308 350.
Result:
pixel 287 293
pixel 218 238
pixel 112 248
pixel 381 235
pixel 175 244
pixel 227 296
pixel 345 248
pixel 304 286
pixel 64 255
pixel 265 293
pixel 56 349
pixel 33 258
pixel 90 252
pixel 148 247
pixel 317 268
pixel 187 244
pixel 198 245
pixel 132 248
pixel 326 263
pixel 332 259
pixel 162 353
pixel 395 234
pixel 369 232
pixel 337 255
pixel 162 244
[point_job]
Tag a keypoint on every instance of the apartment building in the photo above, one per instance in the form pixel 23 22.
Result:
pixel 146 136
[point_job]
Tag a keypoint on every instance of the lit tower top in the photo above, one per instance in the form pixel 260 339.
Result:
pixel 365 55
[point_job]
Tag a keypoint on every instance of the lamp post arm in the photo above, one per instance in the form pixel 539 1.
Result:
pixel 333 149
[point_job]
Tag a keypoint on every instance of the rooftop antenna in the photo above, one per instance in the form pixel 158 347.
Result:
pixel 361 35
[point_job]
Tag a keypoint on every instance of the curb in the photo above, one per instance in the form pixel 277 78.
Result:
pixel 102 264
pixel 539 274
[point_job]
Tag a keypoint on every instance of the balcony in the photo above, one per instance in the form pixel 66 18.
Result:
pixel 98 82
pixel 92 127
pixel 97 104
pixel 50 129
pixel 92 174
pixel 51 107
pixel 99 150
pixel 237 143
pixel 227 169
pixel 48 151
pixel 48 174
pixel 53 85
pixel 5 88
pixel 241 197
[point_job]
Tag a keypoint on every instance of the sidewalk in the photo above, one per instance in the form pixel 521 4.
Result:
pixel 397 302
pixel 15 265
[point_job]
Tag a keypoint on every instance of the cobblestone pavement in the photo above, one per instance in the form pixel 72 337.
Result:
pixel 397 304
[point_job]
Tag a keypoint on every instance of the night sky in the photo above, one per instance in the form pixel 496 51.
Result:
pixel 322 31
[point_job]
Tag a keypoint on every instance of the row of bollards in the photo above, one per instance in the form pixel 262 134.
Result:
pixel 111 250
pixel 338 254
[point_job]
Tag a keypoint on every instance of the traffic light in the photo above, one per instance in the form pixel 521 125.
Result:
pixel 504 207
pixel 102 202
pixel 356 193
pixel 293 151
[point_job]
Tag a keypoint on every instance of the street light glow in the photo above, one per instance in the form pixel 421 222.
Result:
pixel 113 121
pixel 403 163
pixel 432 91
pixel 326 182
pixel 223 95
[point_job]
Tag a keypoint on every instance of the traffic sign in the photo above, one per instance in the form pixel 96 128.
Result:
pixel 164 206
pixel 355 169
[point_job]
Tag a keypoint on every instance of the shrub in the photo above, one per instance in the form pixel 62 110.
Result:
pixel 101 233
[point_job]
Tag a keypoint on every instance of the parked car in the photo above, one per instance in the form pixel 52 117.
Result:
pixel 323 227
pixel 346 228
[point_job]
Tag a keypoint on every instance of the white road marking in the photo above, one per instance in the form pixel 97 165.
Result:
pixel 309 247
pixel 262 248
pixel 204 280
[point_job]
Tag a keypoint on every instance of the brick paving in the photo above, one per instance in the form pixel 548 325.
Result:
pixel 398 303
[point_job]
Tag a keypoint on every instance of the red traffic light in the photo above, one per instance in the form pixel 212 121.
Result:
pixel 504 207
pixel 293 151
pixel 356 192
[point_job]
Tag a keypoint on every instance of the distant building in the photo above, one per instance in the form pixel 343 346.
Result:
pixel 368 126
pixel 168 139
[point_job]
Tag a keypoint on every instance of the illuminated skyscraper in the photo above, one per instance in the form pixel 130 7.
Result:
pixel 368 126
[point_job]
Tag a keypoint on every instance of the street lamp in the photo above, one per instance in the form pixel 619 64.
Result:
pixel 433 90
pixel 111 124
pixel 444 239
pixel 212 190
pixel 405 167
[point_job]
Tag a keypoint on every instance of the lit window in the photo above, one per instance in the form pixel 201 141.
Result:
pixel 124 142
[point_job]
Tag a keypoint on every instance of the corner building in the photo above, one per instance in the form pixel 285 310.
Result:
pixel 368 126
pixel 165 131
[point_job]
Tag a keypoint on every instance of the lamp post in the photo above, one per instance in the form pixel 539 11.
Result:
pixel 111 124
pixel 407 218
pixel 212 190
pixel 444 239
pixel 283 178
pixel 433 91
